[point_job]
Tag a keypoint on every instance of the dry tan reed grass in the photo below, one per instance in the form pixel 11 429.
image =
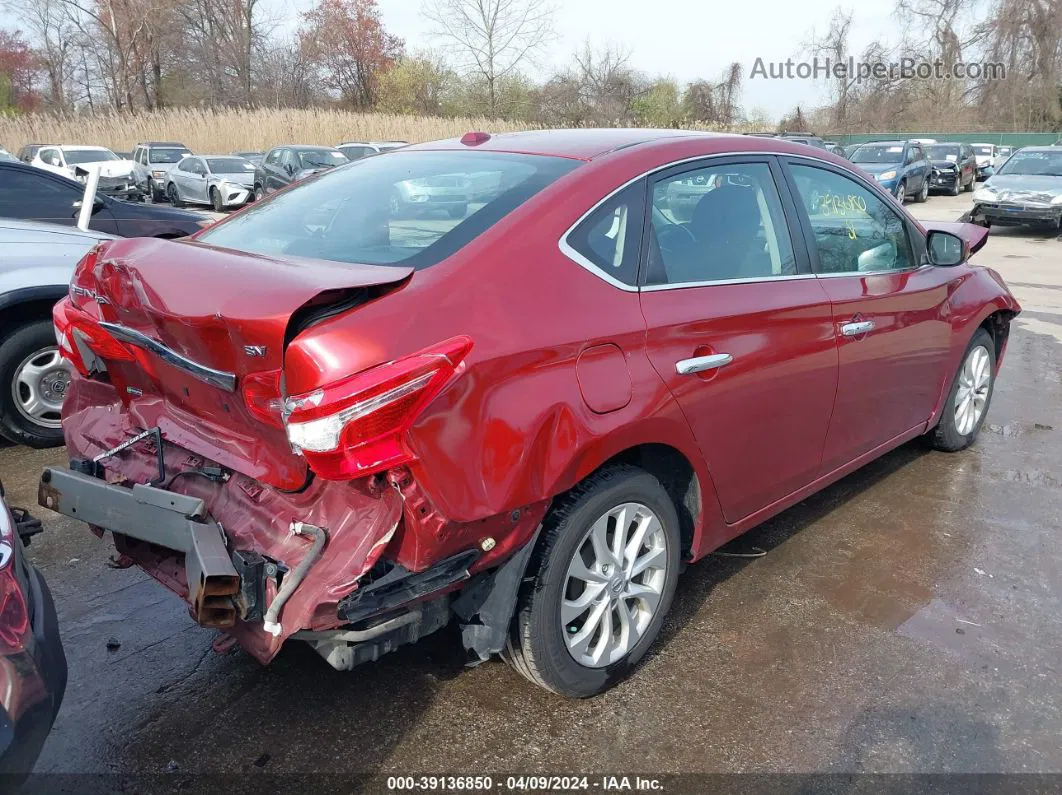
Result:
pixel 233 130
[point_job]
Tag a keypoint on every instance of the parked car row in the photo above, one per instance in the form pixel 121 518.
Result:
pixel 154 169
pixel 1026 190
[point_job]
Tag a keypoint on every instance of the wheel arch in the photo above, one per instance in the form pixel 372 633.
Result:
pixel 980 302
pixel 19 307
pixel 676 474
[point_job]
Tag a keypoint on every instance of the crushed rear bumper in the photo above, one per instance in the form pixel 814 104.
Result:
pixel 164 518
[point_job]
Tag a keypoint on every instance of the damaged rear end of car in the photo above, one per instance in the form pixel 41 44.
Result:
pixel 254 467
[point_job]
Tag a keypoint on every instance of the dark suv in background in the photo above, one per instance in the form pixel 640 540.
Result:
pixel 954 167
pixel 283 165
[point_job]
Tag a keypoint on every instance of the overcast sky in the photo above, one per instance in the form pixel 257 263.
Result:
pixel 685 39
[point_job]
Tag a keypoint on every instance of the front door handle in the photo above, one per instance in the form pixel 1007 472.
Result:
pixel 857 328
pixel 698 364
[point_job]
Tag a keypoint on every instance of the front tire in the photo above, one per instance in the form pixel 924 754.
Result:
pixel 259 193
pixel 33 382
pixel 901 194
pixel 173 195
pixel 970 396
pixel 215 201
pixel 605 573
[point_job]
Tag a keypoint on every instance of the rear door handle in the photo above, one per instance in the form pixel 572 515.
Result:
pixel 698 364
pixel 856 328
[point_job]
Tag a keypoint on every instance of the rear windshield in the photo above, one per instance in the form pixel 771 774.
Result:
pixel 888 153
pixel 77 156
pixel 983 150
pixel 320 158
pixel 412 208
pixel 229 165
pixel 943 152
pixel 167 155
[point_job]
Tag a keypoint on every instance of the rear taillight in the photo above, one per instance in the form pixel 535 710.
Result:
pixel 358 426
pixel 73 328
pixel 14 615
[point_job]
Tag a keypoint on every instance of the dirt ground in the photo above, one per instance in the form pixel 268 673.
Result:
pixel 906 619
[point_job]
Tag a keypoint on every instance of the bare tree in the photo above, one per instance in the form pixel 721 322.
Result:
pixel 54 36
pixel 491 37
pixel 833 46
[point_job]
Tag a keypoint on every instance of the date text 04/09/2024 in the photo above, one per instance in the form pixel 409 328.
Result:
pixel 523 783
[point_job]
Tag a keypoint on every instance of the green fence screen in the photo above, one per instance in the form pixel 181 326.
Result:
pixel 999 138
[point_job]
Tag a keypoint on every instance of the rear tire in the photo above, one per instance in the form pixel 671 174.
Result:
pixel 924 193
pixel 31 349
pixel 544 642
pixel 970 396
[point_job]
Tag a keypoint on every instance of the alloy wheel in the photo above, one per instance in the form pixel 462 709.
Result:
pixel 39 386
pixel 975 381
pixel 613 585
pixel 900 193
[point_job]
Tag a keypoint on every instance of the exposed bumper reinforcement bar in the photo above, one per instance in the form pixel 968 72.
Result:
pixel 400 587
pixel 174 521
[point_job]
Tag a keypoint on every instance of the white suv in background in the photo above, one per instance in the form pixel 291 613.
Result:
pixel 116 175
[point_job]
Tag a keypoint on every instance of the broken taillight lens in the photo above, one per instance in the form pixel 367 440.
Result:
pixel 74 328
pixel 357 426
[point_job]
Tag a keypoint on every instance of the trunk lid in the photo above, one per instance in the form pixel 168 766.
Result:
pixel 206 322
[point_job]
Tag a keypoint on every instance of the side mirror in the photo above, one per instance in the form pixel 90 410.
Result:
pixel 945 249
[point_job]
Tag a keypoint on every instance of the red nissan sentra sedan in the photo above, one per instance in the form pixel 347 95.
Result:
pixel 317 420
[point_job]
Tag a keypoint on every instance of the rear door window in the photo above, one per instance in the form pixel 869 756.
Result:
pixel 410 208
pixel 718 223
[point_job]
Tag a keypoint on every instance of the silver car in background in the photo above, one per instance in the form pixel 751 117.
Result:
pixel 35 269
pixel 222 181
pixel 356 150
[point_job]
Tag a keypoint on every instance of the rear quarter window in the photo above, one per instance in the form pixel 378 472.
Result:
pixel 609 239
